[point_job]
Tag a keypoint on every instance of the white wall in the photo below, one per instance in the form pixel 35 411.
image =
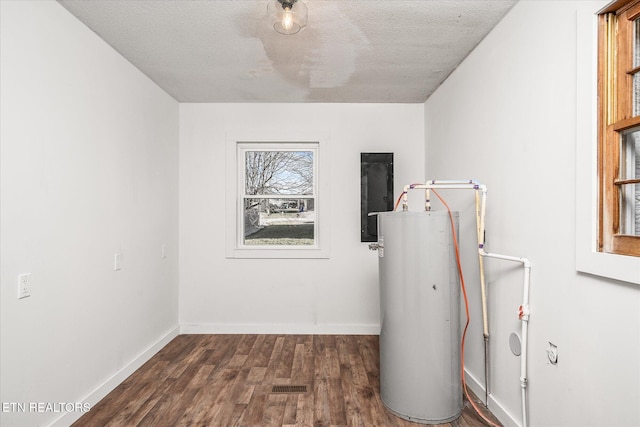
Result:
pixel 339 294
pixel 508 117
pixel 89 168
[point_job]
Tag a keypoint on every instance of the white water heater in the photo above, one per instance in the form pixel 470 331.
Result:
pixel 420 316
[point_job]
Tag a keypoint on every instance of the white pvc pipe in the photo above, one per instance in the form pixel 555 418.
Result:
pixel 523 309
pixel 525 329
pixel 445 185
pixel 523 314
pixel 483 292
pixel 480 226
pixel 453 181
pixel 451 185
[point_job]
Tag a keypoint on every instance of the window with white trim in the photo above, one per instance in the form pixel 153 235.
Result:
pixel 590 259
pixel 277 197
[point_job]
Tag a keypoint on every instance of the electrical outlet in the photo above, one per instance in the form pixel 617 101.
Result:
pixel 164 251
pixel 552 353
pixel 117 262
pixel 24 285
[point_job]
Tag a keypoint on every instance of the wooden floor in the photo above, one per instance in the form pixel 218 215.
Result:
pixel 227 380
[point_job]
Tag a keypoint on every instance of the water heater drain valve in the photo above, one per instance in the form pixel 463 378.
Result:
pixel 379 246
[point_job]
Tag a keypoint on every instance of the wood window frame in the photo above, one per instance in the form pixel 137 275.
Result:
pixel 615 107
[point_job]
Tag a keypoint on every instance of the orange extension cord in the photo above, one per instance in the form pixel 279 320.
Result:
pixel 395 208
pixel 466 307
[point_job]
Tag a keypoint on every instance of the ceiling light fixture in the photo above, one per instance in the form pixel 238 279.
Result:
pixel 287 16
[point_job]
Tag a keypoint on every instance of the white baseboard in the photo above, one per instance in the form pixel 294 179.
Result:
pixel 111 383
pixel 282 328
pixel 501 413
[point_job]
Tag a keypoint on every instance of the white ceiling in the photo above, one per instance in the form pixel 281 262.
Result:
pixel 351 50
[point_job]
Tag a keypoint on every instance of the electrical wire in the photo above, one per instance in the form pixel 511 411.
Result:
pixel 466 307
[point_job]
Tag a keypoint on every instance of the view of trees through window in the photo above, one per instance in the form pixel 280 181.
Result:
pixel 279 198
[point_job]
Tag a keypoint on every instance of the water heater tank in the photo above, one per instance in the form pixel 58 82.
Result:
pixel 420 316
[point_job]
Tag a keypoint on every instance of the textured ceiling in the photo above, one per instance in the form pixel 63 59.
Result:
pixel 351 50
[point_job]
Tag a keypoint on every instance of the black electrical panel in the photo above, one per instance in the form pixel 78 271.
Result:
pixel 376 191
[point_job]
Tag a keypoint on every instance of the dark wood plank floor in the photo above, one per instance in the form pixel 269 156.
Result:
pixel 227 380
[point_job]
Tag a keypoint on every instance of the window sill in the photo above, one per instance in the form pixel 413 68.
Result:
pixel 618 267
pixel 277 253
